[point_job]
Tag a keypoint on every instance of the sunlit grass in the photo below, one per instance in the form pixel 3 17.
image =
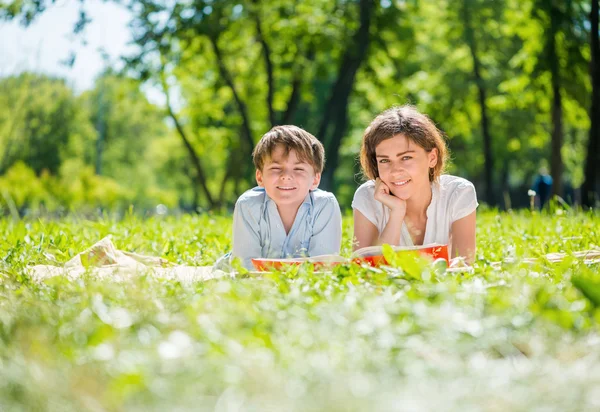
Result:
pixel 517 338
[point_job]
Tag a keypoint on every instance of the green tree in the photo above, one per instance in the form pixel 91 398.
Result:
pixel 562 53
pixel 275 54
pixel 126 122
pixel 505 80
pixel 591 187
pixel 471 38
pixel 43 124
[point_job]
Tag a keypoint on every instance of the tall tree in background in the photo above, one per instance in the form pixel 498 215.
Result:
pixel 591 186
pixel 336 110
pixel 44 125
pixel 464 85
pixel 564 23
pixel 232 69
pixel 556 162
pixel 125 122
pixel 257 36
pixel 471 40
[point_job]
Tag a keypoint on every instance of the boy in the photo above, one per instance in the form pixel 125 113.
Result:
pixel 286 215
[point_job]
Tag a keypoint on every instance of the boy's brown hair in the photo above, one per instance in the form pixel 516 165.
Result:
pixel 307 147
pixel 409 122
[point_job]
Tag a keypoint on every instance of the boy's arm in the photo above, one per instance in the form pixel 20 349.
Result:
pixel 327 230
pixel 246 237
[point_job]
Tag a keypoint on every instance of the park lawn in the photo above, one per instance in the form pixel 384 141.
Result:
pixel 520 338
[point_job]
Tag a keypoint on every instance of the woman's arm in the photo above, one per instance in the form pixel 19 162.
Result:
pixel 366 233
pixel 463 237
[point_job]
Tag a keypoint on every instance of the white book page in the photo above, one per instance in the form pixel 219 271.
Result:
pixel 327 259
pixel 378 250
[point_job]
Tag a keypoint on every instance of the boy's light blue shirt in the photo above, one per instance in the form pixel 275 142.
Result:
pixel 258 230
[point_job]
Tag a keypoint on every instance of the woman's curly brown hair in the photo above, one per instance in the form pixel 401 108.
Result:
pixel 415 126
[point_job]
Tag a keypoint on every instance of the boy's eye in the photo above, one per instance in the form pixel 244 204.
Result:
pixel 299 169
pixel 276 169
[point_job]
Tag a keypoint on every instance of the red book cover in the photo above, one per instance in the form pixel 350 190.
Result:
pixel 372 255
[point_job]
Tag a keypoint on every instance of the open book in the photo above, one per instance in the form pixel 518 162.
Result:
pixel 372 255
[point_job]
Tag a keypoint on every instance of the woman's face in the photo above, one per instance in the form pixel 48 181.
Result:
pixel 404 165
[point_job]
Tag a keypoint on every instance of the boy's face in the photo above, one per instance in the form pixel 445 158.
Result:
pixel 286 179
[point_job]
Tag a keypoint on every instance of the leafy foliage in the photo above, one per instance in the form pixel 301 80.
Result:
pixel 487 72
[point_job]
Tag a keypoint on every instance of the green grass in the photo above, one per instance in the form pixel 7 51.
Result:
pixel 522 338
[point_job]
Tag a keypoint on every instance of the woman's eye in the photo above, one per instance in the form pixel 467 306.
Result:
pixel 384 161
pixel 406 158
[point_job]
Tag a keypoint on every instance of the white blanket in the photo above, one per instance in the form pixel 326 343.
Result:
pixel 104 260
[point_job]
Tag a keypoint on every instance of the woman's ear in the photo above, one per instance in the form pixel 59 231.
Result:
pixel 433 157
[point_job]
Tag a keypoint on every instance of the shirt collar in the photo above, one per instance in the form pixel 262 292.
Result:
pixel 435 188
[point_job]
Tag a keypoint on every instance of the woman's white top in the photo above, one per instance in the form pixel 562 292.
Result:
pixel 452 198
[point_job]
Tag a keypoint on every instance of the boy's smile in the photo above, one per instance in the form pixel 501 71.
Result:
pixel 286 178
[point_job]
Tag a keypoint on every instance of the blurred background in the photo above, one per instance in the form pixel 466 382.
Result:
pixel 105 105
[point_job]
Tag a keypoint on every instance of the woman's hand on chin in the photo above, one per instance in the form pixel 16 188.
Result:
pixel 383 195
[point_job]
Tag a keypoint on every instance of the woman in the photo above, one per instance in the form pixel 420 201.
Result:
pixel 408 201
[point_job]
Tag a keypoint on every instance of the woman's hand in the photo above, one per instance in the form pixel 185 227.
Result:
pixel 383 195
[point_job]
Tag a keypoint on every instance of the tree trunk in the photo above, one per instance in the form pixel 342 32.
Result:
pixel 294 99
pixel 336 109
pixel 485 129
pixel 200 176
pixel 241 105
pixel 591 186
pixel 196 193
pixel 14 118
pixel 333 154
pixel 233 170
pixel 226 176
pixel 101 129
pixel 556 163
pixel 268 64
pixel 505 185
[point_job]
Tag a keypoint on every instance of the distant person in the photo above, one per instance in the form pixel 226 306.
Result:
pixel 542 186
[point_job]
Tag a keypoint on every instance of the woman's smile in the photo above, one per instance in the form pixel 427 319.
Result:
pixel 400 183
